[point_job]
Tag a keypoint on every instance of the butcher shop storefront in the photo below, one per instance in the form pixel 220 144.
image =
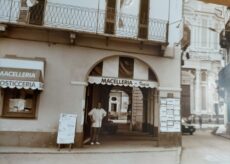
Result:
pixel 127 89
pixel 21 81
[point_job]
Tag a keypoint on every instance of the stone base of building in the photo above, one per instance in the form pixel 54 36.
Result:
pixel 170 139
pixel 48 139
pixel 34 139
pixel 150 129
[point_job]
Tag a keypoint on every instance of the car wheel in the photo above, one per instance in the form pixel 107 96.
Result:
pixel 191 133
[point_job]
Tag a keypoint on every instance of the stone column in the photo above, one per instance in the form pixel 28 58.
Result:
pixel 210 89
pixel 197 92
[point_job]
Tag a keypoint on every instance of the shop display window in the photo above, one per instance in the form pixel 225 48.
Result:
pixel 20 103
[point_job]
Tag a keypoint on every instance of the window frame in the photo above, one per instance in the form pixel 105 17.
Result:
pixel 6 113
pixel 143 25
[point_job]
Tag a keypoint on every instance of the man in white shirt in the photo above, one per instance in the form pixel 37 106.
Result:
pixel 96 116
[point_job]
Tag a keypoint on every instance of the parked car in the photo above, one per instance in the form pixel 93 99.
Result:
pixel 187 128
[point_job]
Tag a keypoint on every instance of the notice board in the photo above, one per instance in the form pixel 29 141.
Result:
pixel 66 128
pixel 170 117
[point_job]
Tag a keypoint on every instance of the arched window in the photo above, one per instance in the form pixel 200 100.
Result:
pixel 126 66
pixel 97 70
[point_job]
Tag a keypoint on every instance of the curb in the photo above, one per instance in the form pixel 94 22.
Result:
pixel 92 151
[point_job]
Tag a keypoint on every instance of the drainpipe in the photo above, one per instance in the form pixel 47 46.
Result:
pixel 167 25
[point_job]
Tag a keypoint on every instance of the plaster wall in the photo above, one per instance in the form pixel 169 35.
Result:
pixel 66 73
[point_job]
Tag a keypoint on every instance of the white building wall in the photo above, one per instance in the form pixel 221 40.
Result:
pixel 205 52
pixel 67 61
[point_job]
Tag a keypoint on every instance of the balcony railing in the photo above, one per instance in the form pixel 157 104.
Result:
pixel 82 20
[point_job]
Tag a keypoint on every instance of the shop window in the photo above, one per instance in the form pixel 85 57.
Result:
pixel 143 19
pixel 126 67
pixel 19 103
pixel 110 16
pixel 97 70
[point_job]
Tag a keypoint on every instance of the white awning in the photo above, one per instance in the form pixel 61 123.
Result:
pixel 122 82
pixel 18 73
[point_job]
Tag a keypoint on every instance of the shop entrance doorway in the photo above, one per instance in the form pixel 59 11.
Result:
pixel 130 103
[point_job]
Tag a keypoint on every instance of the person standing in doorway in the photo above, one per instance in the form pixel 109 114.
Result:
pixel 96 117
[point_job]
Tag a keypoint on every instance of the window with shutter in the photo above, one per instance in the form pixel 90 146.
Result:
pixel 143 19
pixel 110 17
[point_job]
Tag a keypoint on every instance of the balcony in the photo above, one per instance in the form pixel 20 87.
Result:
pixel 79 19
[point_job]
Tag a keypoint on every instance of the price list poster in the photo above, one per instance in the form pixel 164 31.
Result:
pixel 170 119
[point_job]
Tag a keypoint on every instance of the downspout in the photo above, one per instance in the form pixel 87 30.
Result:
pixel 167 25
pixel 181 60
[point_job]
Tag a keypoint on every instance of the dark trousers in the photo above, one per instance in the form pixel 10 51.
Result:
pixel 95 134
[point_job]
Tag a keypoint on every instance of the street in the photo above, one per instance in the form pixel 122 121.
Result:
pixel 200 148
pixel 113 158
pixel 205 148
pixel 114 152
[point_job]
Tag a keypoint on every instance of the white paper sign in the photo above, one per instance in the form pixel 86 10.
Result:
pixel 66 129
pixel 170 120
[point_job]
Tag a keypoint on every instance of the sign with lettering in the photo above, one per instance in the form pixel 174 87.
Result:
pixel 122 82
pixel 66 129
pixel 21 84
pixel 19 74
pixel 20 78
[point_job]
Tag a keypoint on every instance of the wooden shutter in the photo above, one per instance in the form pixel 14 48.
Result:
pixel 143 19
pixel 110 16
pixel 37 12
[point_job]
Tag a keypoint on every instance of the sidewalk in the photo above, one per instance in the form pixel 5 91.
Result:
pixel 95 149
pixel 88 155
pixel 110 154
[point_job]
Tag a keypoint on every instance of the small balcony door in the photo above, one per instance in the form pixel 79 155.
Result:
pixel 143 19
pixel 110 17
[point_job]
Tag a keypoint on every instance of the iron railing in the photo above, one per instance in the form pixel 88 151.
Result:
pixel 83 20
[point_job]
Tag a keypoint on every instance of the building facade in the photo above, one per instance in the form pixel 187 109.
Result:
pixel 66 56
pixel 204 60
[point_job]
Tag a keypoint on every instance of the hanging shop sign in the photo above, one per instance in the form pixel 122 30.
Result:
pixel 122 82
pixel 170 117
pixel 20 78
